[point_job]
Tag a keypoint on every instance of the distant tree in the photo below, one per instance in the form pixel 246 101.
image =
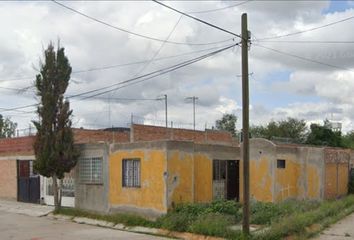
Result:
pixel 348 140
pixel 54 143
pixel 7 127
pixel 291 128
pixel 324 135
pixel 227 123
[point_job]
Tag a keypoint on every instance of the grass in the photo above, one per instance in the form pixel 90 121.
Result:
pixel 302 219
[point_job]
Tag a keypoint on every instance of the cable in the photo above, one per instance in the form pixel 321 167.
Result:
pixel 133 33
pixel 160 48
pixel 197 19
pixel 151 74
pixel 219 9
pixel 120 65
pixel 295 41
pixel 304 59
pixel 307 30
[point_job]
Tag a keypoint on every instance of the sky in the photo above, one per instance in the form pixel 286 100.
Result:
pixel 308 75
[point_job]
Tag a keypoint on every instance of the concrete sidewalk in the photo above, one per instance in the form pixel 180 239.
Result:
pixel 342 230
pixel 29 209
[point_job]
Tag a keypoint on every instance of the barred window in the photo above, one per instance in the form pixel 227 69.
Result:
pixel 90 169
pixel 219 169
pixel 131 172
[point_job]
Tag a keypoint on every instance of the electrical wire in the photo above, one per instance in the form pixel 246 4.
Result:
pixel 131 81
pixel 154 73
pixel 220 9
pixel 314 41
pixel 133 33
pixel 307 30
pixel 197 19
pixel 303 58
pixel 120 65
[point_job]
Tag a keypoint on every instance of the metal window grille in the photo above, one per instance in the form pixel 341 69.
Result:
pixel 90 169
pixel 219 169
pixel 131 172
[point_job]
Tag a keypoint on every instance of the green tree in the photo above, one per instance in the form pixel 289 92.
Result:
pixel 54 143
pixel 324 135
pixel 348 140
pixel 7 127
pixel 227 123
pixel 291 128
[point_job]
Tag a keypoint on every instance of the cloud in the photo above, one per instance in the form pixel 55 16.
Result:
pixel 28 27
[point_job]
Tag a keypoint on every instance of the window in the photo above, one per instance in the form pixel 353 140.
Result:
pixel 219 169
pixel 131 172
pixel 90 170
pixel 280 163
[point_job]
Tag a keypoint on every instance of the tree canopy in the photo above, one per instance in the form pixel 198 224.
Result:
pixel 54 143
pixel 291 128
pixel 227 123
pixel 324 135
pixel 7 127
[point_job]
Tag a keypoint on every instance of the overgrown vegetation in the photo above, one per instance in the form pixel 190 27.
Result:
pixel 223 218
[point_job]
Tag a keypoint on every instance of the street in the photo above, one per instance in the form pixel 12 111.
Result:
pixel 18 226
pixel 342 230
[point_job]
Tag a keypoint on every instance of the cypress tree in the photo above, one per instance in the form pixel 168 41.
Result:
pixel 54 143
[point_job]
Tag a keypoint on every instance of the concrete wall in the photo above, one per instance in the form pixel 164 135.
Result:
pixel 93 196
pixel 336 172
pixel 8 179
pixel 150 198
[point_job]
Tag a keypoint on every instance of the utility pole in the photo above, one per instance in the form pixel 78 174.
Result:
pixel 245 126
pixel 166 110
pixel 194 98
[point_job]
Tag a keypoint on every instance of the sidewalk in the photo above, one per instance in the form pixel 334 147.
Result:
pixel 342 230
pixel 29 209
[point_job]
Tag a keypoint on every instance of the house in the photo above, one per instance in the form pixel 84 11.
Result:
pixel 19 182
pixel 148 170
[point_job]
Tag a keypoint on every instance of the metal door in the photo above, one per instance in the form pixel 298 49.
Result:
pixel 28 184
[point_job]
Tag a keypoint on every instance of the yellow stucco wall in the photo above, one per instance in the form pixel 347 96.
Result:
pixel 313 181
pixel 331 180
pixel 180 177
pixel 286 179
pixel 261 179
pixel 151 194
pixel 343 176
pixel 203 178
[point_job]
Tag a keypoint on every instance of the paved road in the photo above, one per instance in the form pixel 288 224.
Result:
pixel 342 230
pixel 16 226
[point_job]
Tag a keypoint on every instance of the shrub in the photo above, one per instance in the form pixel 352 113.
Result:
pixel 176 221
pixel 212 224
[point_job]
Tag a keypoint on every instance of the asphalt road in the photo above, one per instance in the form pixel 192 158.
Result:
pixel 22 227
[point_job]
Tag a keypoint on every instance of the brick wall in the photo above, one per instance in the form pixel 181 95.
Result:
pixel 94 136
pixel 149 133
pixel 8 179
pixel 16 146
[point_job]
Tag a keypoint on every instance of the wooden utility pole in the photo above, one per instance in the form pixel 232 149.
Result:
pixel 245 127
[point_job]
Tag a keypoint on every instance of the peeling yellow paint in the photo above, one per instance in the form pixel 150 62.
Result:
pixel 203 177
pixel 180 177
pixel 313 182
pixel 286 180
pixel 151 194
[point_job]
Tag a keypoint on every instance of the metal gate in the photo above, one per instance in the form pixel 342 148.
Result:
pixel 28 184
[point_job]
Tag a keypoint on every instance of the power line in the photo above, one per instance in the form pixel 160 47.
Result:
pixel 92 69
pixel 151 74
pixel 131 81
pixel 314 41
pixel 307 30
pixel 197 19
pixel 220 9
pixel 133 33
pixel 304 59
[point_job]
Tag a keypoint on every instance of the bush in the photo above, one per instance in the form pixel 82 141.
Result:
pixel 176 221
pixel 212 224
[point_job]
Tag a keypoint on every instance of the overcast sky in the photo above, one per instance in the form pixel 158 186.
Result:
pixel 281 86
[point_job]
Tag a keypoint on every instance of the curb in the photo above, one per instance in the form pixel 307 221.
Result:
pixel 136 229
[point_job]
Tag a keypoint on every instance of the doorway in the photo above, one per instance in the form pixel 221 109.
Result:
pixel 226 179
pixel 28 184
